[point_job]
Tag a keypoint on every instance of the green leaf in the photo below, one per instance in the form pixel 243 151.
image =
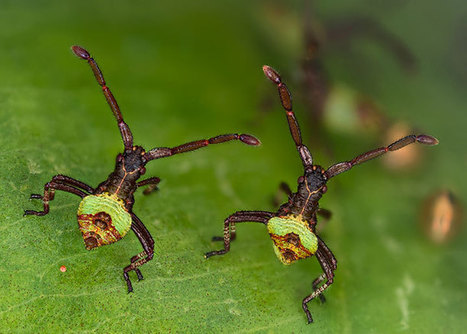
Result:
pixel 182 72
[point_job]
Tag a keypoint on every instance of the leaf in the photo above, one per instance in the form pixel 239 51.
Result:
pixel 188 72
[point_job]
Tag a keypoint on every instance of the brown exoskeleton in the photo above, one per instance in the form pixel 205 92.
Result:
pixel 292 227
pixel 105 213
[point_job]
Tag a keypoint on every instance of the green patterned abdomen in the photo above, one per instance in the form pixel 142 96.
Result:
pixel 102 220
pixel 293 238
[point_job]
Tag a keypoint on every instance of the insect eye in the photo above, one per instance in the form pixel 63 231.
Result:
pixel 300 179
pixel 119 158
pixel 142 170
pixel 324 189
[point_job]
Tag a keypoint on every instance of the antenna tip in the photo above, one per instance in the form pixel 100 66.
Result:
pixel 271 74
pixel 250 140
pixel 80 52
pixel 427 140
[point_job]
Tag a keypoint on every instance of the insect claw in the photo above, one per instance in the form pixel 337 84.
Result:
pixel 128 282
pixel 32 212
pixel 138 273
pixel 308 315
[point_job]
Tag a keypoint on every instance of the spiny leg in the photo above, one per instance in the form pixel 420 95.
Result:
pixel 66 180
pixel 124 129
pixel 72 182
pixel 229 227
pixel 163 152
pixel 326 252
pixel 239 215
pixel 315 284
pixel 138 260
pixel 346 165
pixel 285 188
pixel 49 193
pixel 286 101
pixel 328 265
pixel 152 182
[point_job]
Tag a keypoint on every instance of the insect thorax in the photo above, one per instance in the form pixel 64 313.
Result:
pixel 292 237
pixel 102 220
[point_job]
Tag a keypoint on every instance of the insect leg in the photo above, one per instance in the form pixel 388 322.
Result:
pixel 229 227
pixel 328 263
pixel 152 182
pixel 57 183
pixel 330 259
pixel 285 188
pixel 245 215
pixel 327 252
pixel 315 284
pixel 72 182
pixel 147 242
pixel 398 144
pixel 66 180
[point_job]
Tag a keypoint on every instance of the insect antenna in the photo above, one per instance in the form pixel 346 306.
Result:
pixel 124 129
pixel 286 101
pixel 397 145
pixel 164 152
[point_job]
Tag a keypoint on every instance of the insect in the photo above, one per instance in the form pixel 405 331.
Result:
pixel 105 213
pixel 293 227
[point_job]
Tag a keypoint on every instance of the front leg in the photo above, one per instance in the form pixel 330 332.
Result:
pixel 229 227
pixel 148 251
pixel 152 183
pixel 58 182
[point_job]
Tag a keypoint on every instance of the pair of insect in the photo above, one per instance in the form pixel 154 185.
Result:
pixel 105 213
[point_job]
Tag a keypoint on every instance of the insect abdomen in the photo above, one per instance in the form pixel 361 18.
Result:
pixel 102 220
pixel 292 237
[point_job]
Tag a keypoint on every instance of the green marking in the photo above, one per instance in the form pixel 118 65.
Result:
pixel 93 204
pixel 285 225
